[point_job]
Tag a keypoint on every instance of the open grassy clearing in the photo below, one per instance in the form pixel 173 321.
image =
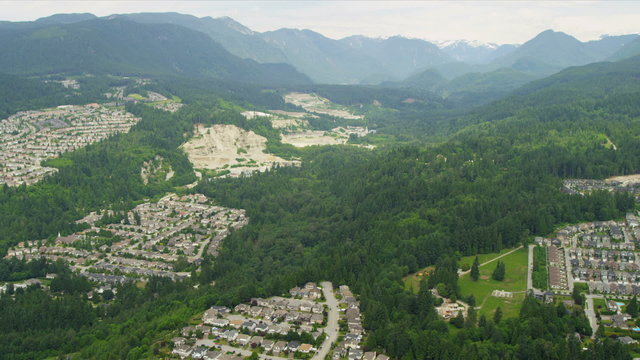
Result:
pixel 515 281
pixel 412 281
pixel 481 257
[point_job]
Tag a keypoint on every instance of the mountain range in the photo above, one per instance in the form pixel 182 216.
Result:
pixel 223 48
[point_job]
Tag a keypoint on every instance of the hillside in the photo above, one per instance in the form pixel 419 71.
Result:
pixel 106 46
pixel 233 36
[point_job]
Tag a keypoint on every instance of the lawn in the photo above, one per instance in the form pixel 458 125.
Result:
pixel 481 258
pixel 515 280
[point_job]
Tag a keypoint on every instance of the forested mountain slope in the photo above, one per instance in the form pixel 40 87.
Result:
pixel 106 46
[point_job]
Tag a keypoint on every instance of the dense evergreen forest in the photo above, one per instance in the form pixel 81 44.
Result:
pixel 349 215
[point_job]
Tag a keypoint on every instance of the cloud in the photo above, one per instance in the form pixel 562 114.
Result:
pixel 489 21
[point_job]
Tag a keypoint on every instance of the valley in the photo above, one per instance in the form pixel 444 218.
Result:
pixel 175 186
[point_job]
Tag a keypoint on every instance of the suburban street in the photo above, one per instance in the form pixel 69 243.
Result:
pixel 568 269
pixel 332 321
pixel 530 269
pixel 590 312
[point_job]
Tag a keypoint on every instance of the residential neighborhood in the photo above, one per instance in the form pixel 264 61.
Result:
pixel 153 239
pixel 29 137
pixel 312 321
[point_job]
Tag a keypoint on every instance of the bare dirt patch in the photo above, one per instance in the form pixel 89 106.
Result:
pixel 337 136
pixel 312 137
pixel 626 179
pixel 317 104
pixel 230 148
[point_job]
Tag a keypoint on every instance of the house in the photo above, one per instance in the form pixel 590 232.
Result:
pixel 249 325
pixel 199 352
pixel 317 309
pixel 221 309
pixel 236 323
pixel 209 316
pixel 261 328
pixel 293 346
pixel 339 352
pixel 243 339
pixel 255 311
pixel 356 329
pixel 619 320
pixel 382 357
pixel 211 355
pixel 177 341
pixel 370 355
pixel 231 335
pixel 280 346
pixel 267 345
pixel 627 340
pixel 351 343
pixel 220 322
pixel 305 306
pixel 187 331
pixel 355 354
pixel 317 319
pixel 241 308
pixel 305 348
pixel 183 351
pixel 256 341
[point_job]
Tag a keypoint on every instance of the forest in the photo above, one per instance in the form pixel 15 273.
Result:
pixel 348 215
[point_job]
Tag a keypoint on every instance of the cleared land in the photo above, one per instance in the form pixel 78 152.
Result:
pixel 230 149
pixel 515 281
pixel 337 136
pixel 312 137
pixel 317 104
pixel 626 179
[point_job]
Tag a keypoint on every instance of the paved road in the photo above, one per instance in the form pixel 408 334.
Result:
pixel 461 273
pixel 590 312
pixel 227 348
pixel 332 321
pixel 568 270
pixel 530 269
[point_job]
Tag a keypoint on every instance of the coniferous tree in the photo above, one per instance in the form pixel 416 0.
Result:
pixel 497 315
pixel 499 272
pixel 632 307
pixel 475 269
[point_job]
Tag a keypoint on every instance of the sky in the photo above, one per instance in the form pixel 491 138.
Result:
pixel 499 22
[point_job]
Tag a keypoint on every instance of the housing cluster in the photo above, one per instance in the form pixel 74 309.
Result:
pixel 29 137
pixel 164 238
pixel 276 327
pixel 582 186
pixel 311 322
pixel 600 253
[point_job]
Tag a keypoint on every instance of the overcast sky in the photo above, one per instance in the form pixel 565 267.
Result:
pixel 486 21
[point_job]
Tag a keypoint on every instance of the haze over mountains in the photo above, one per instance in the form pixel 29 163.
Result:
pixel 173 43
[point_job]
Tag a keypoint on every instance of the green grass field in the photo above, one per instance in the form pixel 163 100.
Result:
pixel 515 280
pixel 481 257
